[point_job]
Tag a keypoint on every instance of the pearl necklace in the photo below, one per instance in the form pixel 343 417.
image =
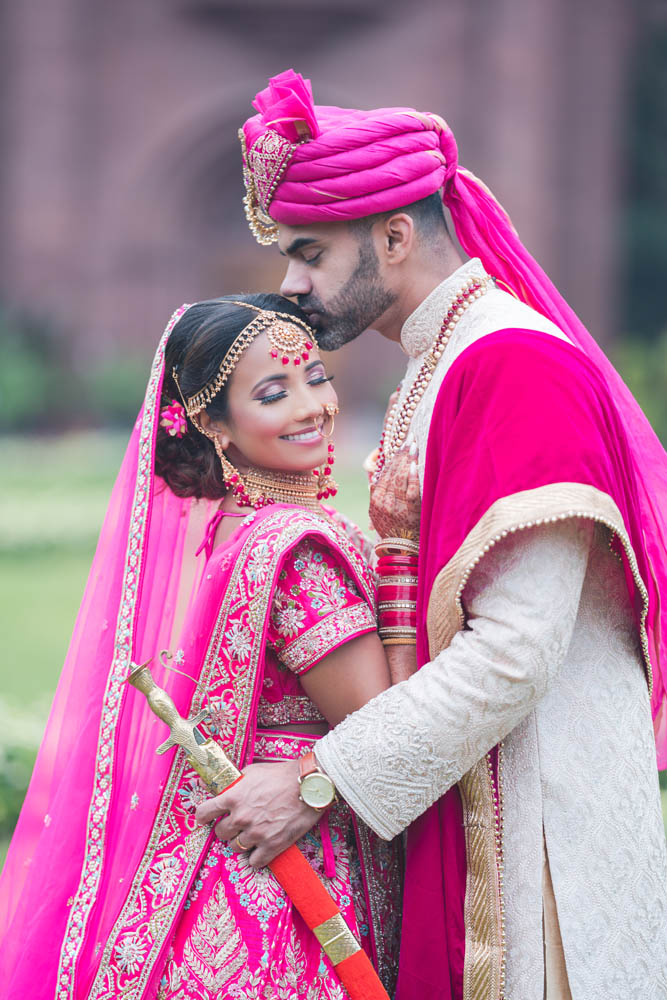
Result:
pixel 399 419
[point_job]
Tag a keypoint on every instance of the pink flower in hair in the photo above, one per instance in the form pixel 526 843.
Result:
pixel 287 107
pixel 172 418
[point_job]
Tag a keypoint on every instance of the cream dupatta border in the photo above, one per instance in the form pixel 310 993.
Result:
pixel 484 964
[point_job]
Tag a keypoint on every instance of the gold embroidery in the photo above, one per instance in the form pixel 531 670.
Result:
pixel 267 161
pixel 290 708
pixel 332 631
pixel 484 966
pixel 484 947
pixel 215 950
pixel 382 863
pixel 527 509
pixel 263 167
pixel 159 919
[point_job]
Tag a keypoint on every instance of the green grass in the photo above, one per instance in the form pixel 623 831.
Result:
pixel 41 591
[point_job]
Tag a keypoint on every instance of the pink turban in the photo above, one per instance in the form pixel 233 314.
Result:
pixel 323 164
pixel 304 163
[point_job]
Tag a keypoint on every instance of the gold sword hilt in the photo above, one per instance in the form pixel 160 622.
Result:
pixel 205 756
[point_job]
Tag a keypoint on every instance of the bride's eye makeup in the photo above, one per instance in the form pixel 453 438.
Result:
pixel 317 374
pixel 271 392
pixel 274 390
pixel 272 397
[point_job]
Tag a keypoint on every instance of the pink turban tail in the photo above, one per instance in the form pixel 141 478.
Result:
pixel 306 163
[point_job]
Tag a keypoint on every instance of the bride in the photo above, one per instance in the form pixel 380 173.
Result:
pixel 216 547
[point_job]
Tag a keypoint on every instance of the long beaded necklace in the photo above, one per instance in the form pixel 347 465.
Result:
pixel 399 419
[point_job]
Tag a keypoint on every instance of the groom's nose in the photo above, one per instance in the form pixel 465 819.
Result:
pixel 296 281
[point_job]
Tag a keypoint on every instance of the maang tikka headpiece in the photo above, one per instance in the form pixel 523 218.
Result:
pixel 290 339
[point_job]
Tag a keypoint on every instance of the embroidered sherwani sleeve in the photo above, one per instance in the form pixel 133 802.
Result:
pixel 398 754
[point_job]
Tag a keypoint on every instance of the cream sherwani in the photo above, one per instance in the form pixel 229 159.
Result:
pixel 550 666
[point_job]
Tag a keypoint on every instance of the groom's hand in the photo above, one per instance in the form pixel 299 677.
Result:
pixel 263 811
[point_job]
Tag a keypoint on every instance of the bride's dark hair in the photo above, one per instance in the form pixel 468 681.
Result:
pixel 196 347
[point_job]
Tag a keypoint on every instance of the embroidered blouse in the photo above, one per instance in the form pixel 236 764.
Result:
pixel 316 608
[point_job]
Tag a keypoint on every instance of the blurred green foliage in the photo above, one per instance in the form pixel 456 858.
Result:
pixel 29 393
pixel 41 388
pixel 643 365
pixel 16 765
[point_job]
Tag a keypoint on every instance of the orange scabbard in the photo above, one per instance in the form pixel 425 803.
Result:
pixel 311 899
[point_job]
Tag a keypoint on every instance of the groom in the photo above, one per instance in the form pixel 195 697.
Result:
pixel 521 754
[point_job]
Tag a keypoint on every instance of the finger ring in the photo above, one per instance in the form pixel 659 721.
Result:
pixel 242 847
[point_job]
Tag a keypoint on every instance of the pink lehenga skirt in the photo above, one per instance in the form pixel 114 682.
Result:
pixel 239 936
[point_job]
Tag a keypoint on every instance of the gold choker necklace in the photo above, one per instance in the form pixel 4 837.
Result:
pixel 260 487
pixel 263 486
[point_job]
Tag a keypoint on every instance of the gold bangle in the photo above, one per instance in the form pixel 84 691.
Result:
pixel 409 545
pixel 404 641
pixel 395 581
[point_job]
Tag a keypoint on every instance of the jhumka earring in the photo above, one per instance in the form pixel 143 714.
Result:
pixel 326 486
pixel 231 477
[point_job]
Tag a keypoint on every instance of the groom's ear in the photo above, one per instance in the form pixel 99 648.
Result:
pixel 398 237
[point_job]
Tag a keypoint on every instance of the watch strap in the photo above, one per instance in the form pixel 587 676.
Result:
pixel 307 765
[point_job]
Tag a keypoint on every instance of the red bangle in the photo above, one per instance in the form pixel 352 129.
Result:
pixel 391 619
pixel 398 557
pixel 396 565
pixel 396 594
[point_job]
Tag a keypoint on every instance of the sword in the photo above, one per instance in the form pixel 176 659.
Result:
pixel 292 870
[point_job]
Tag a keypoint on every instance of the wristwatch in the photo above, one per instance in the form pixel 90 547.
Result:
pixel 316 788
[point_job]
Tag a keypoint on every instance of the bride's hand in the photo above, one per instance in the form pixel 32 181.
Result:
pixel 395 505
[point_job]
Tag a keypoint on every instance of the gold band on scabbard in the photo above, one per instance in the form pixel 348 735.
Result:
pixel 337 940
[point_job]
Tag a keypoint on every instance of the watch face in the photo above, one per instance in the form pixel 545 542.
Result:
pixel 317 790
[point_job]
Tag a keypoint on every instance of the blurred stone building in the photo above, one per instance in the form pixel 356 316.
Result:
pixel 120 185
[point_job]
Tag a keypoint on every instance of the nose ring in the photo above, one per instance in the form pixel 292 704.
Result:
pixel 329 412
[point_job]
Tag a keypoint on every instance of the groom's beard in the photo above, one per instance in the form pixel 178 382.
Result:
pixel 357 306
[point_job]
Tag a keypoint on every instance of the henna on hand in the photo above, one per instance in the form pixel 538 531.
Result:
pixel 395 504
